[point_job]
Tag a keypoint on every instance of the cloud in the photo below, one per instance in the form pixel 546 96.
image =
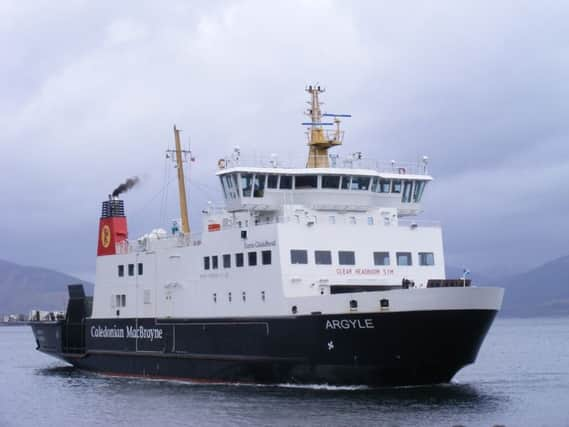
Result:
pixel 91 91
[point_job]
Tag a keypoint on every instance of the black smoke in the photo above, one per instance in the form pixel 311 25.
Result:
pixel 125 186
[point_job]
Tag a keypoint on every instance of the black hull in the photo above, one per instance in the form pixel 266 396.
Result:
pixel 377 349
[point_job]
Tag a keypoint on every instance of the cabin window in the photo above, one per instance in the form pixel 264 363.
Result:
pixel 121 270
pixel 214 297
pixel 140 269
pixel 298 256
pixel 244 296
pixel 404 258
pixel 285 182
pixel 360 183
pixel 246 184
pixel 370 220
pixel 345 185
pixel 206 263
pixel 331 181
pixel 272 181
pixel 426 258
pixel 252 258
pixel 406 196
pixel 229 296
pixel 239 260
pixel 226 261
pixel 120 300
pixel 418 191
pixel 259 190
pixel 323 257
pixel 384 185
pixel 214 262
pixel 396 188
pixel 346 257
pixel 266 257
pixel 263 295
pixel 332 219
pixel 303 182
pixel 131 269
pixel 381 258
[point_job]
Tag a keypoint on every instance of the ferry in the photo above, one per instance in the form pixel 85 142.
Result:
pixel 312 273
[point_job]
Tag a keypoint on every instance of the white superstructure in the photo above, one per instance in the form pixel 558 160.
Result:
pixel 333 236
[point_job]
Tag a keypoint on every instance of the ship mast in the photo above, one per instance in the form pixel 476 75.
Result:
pixel 319 141
pixel 181 183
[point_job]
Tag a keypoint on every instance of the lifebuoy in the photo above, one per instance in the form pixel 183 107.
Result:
pixel 402 171
pixel 221 163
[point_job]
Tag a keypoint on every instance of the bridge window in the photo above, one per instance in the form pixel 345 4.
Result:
pixel 272 181
pixel 140 269
pixel 239 260
pixel 206 263
pixel 346 257
pixel 404 258
pixel 331 181
pixel 396 188
pixel 384 185
pixel 131 269
pixel 426 258
pixel 252 258
pixel 375 185
pixel 406 196
pixel 214 262
pixel 303 182
pixel 266 257
pixel 121 270
pixel 381 258
pixel 323 257
pixel 418 191
pixel 246 184
pixel 360 183
pixel 298 256
pixel 345 185
pixel 225 191
pixel 226 261
pixel 286 182
pixel 259 188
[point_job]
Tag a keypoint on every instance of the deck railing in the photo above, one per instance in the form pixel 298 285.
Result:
pixel 353 161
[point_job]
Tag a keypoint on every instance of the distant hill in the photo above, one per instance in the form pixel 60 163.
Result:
pixel 24 288
pixel 541 291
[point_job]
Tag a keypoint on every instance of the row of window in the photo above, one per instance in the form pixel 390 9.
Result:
pixel 253 185
pixel 243 296
pixel 212 262
pixel 300 256
pixel 130 267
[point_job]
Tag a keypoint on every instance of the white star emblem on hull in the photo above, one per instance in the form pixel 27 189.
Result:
pixel 330 345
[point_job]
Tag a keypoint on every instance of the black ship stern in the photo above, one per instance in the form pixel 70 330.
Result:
pixel 64 337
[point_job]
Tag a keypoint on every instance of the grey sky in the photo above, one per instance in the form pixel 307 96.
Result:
pixel 90 91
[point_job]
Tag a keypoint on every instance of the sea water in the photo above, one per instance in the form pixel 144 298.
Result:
pixel 521 378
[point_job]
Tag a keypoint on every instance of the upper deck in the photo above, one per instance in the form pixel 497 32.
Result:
pixel 350 183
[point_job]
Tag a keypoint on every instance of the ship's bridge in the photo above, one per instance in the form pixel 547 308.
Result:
pixel 356 185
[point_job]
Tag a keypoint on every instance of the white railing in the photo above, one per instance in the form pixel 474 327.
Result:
pixel 353 161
